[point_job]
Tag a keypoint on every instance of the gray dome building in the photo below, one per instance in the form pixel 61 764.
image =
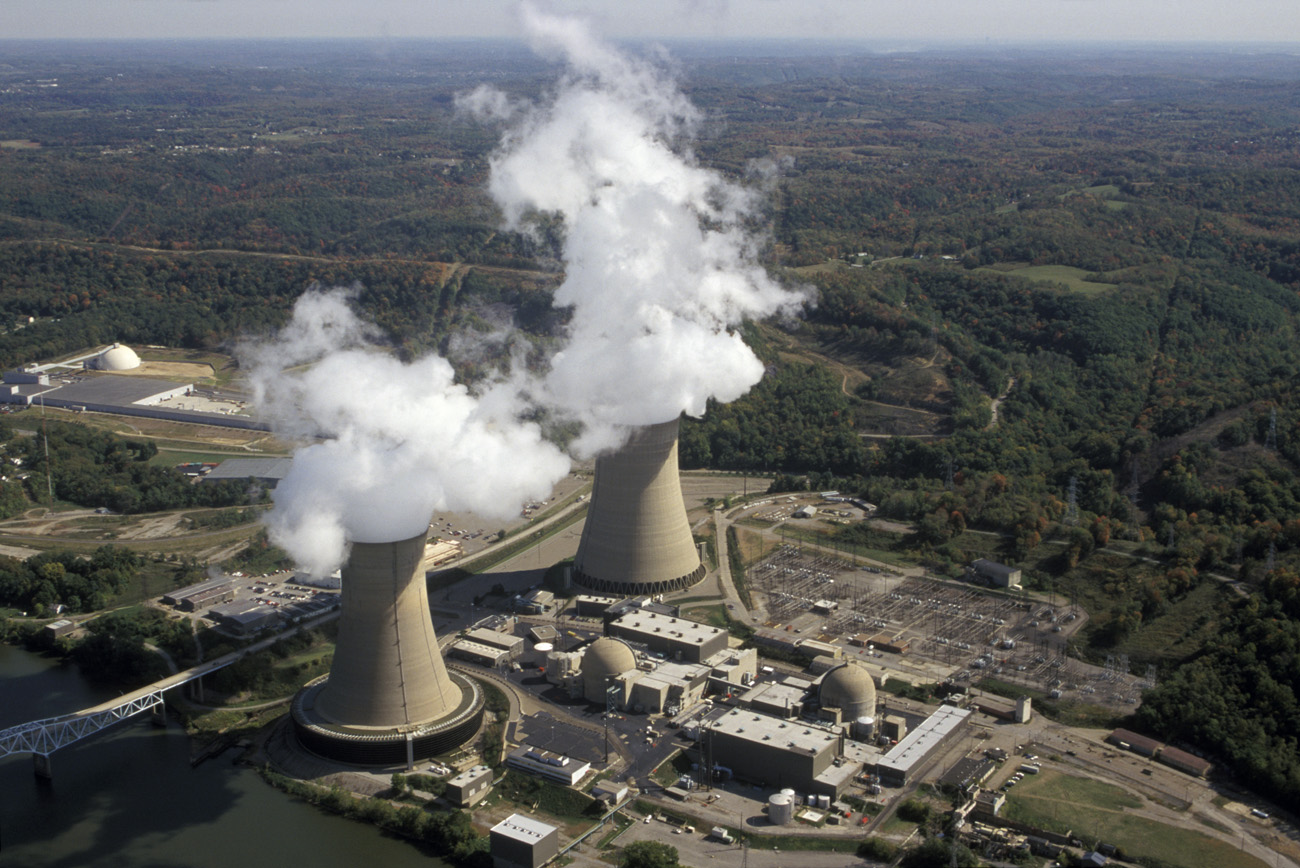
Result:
pixel 604 659
pixel 637 539
pixel 850 689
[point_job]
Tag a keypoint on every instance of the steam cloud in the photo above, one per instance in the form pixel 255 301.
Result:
pixel 398 441
pixel 660 264
pixel 660 269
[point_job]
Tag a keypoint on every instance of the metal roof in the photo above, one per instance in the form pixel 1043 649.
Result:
pixel 251 468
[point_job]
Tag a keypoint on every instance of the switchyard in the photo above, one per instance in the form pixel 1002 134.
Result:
pixel 965 632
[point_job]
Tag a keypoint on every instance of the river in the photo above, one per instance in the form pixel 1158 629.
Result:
pixel 128 798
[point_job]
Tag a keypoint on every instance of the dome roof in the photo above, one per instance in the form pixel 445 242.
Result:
pixel 850 689
pixel 117 358
pixel 603 659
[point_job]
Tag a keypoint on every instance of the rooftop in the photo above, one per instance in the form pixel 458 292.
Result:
pixel 114 389
pixel 251 468
pixel 652 624
pixel 919 742
pixel 523 828
pixel 762 728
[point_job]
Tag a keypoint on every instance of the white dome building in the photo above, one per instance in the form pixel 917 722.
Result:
pixel 116 358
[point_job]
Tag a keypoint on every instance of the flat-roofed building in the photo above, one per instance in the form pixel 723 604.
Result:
pixel 547 764
pixel 56 629
pixel 778 700
pixel 594 605
pixel 522 842
pixel 772 751
pixel 512 645
pixel 673 637
pixel 996 574
pixel 191 598
pixel 269 472
pixel 244 618
pixel 469 787
pixel 477 652
pixel 732 669
pixel 905 759
pixel 537 602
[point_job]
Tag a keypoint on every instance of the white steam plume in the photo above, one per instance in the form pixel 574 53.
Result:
pixel 396 441
pixel 660 264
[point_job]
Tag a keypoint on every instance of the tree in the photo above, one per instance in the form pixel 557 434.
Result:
pixel 649 854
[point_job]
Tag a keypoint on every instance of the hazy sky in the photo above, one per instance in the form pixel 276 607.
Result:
pixel 918 21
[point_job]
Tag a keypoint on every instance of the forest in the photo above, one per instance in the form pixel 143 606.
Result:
pixel 1058 295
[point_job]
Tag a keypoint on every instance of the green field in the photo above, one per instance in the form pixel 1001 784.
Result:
pixel 1097 812
pixel 1076 279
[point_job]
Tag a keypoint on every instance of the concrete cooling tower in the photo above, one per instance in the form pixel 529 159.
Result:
pixel 388 697
pixel 636 539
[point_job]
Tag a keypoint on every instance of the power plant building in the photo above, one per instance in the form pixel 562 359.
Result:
pixel 636 539
pixel 780 753
pixel 389 697
pixel 905 758
pixel 469 787
pixel 522 842
pixel 673 637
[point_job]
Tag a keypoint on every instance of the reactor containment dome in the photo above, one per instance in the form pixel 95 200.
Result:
pixel 637 539
pixel 850 689
pixel 604 659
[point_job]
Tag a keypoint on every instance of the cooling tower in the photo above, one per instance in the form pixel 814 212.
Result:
pixel 636 539
pixel 388 697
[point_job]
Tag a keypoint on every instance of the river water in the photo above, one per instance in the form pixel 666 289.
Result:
pixel 127 798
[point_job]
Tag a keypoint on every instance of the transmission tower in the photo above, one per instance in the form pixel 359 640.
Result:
pixel 1270 442
pixel 1150 680
pixel 1134 483
pixel 1072 505
pixel 1272 558
pixel 948 475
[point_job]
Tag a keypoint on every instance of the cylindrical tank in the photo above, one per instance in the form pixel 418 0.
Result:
pixel 540 652
pixel 788 792
pixel 864 728
pixel 780 809
pixel 823 801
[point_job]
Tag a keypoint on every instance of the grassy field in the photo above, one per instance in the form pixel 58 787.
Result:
pixel 1096 811
pixel 1076 279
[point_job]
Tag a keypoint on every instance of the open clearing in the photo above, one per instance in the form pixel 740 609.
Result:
pixel 1097 811
pixel 1076 279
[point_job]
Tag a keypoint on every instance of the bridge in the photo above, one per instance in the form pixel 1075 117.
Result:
pixel 41 738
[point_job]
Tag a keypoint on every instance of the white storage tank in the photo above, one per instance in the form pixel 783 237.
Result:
pixel 780 809
pixel 823 801
pixel 541 651
pixel 789 792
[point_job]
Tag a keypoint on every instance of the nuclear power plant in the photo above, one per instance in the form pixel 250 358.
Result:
pixel 388 697
pixel 636 539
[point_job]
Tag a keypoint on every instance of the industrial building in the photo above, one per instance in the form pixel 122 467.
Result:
pixel 388 697
pixel 593 605
pixel 779 700
pixel 996 574
pixel 522 842
pixel 637 539
pixel 195 597
pixel 244 617
pixel 267 472
pixel 780 753
pixel 673 637
pixel 469 787
pixel 906 758
pixel 489 648
pixel 548 764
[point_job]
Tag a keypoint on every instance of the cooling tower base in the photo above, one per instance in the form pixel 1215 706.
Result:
pixel 632 588
pixel 386 747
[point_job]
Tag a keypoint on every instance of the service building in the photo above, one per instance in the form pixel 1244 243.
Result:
pixel 522 842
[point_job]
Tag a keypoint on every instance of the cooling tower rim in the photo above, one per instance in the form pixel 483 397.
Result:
pixel 472 702
pixel 634 588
